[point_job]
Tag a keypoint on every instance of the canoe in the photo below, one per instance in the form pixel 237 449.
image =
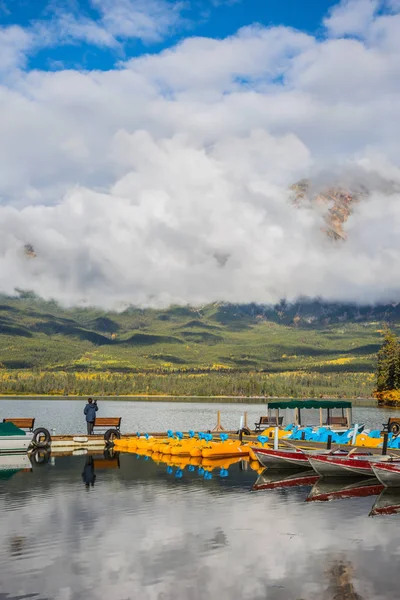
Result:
pixel 388 473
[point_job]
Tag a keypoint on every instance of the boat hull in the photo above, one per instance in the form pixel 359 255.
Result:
pixel 15 443
pixel 281 459
pixel 332 466
pixel 388 473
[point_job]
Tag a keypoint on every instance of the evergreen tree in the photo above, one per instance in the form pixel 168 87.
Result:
pixel 388 370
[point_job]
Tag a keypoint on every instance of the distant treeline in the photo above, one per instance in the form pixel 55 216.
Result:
pixel 293 384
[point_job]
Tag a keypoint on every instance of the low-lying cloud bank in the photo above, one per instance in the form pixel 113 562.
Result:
pixel 167 179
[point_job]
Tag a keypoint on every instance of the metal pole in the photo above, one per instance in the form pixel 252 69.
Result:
pixel 329 442
pixel 353 440
pixel 320 417
pixel 276 438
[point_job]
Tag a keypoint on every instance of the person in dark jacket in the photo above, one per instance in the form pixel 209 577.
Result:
pixel 90 411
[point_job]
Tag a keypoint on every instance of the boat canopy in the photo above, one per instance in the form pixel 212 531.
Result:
pixel 309 404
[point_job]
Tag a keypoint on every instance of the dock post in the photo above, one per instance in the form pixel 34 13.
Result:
pixel 245 420
pixel 276 438
pixel 218 426
pixel 329 442
pixel 385 442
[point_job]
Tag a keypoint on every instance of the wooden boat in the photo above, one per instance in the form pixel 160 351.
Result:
pixel 282 458
pixel 325 490
pixel 273 481
pixel 287 458
pixel 388 503
pixel 388 473
pixel 349 465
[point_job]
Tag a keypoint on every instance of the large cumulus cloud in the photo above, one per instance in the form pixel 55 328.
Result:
pixel 166 179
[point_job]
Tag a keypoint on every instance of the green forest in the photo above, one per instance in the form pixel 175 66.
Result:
pixel 304 349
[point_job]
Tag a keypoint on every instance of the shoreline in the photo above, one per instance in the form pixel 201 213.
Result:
pixel 371 402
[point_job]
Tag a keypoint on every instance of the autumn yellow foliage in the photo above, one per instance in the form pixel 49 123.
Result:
pixel 388 398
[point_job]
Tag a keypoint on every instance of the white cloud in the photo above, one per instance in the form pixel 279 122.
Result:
pixel 14 43
pixel 166 180
pixel 351 17
pixel 148 20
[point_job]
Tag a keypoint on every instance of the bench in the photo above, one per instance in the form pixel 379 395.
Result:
pixel 342 421
pixel 21 423
pixel 266 422
pixel 105 422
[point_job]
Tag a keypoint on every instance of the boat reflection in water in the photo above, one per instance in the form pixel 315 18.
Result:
pixel 388 503
pixel 11 464
pixel 325 490
pixel 270 480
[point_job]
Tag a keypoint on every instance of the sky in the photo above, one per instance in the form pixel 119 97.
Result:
pixel 148 147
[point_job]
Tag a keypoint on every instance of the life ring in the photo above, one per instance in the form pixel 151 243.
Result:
pixel 41 437
pixel 111 435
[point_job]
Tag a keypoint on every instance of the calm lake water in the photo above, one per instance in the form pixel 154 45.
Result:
pixel 150 531
pixel 66 416
pixel 141 532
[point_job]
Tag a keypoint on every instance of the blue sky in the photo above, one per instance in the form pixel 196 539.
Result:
pixel 209 18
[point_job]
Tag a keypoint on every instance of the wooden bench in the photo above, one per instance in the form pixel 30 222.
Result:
pixel 21 423
pixel 342 421
pixel 104 422
pixel 266 422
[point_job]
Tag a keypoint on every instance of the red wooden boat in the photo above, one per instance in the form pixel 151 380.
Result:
pixel 388 473
pixel 331 465
pixel 282 458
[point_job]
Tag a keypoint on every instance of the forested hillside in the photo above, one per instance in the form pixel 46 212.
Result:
pixel 86 350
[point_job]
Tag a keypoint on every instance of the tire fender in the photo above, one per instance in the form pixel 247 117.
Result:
pixel 394 428
pixel 111 434
pixel 41 437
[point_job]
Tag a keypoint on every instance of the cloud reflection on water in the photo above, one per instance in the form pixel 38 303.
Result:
pixel 138 534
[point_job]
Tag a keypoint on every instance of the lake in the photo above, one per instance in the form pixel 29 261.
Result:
pixel 125 527
pixel 66 416
pixel 141 532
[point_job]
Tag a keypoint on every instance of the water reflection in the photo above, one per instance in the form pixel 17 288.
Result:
pixel 147 534
pixel 88 475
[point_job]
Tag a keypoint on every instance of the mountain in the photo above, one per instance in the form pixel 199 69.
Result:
pixel 336 202
pixel 304 335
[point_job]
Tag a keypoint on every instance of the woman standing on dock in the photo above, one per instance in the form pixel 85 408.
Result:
pixel 90 411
